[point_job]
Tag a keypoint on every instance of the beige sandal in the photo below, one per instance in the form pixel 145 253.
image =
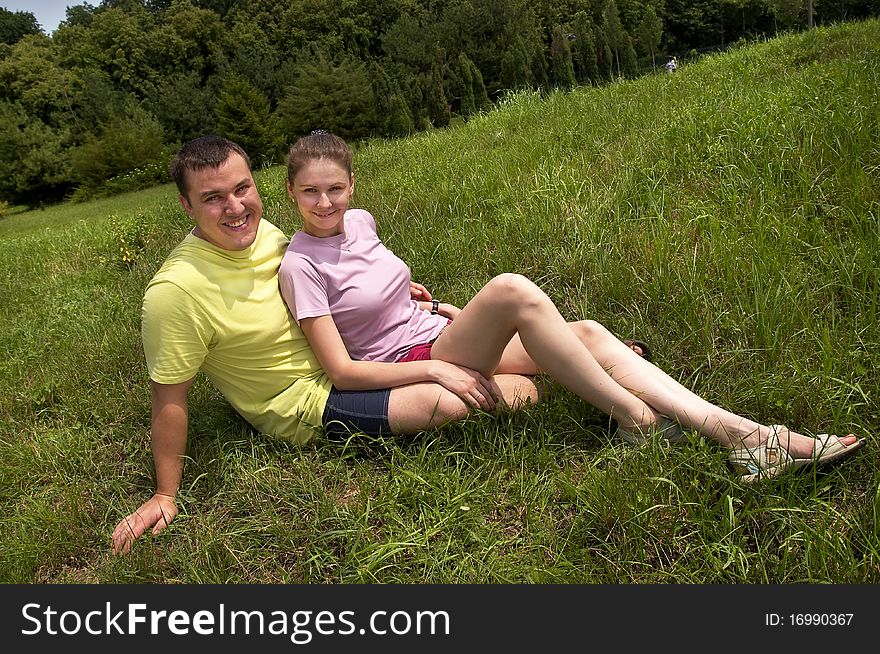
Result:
pixel 666 427
pixel 770 459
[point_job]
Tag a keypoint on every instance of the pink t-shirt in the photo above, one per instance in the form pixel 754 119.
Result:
pixel 362 284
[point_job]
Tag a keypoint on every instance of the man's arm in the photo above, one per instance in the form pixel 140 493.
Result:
pixel 170 420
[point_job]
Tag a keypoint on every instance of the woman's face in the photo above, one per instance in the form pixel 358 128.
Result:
pixel 322 191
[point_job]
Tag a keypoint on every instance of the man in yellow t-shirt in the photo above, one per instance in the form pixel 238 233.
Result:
pixel 214 306
pixel 255 355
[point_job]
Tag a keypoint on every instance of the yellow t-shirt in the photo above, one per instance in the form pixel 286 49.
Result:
pixel 220 311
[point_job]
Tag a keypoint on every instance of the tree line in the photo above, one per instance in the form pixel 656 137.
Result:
pixel 99 105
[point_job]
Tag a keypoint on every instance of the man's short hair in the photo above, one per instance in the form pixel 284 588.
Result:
pixel 208 151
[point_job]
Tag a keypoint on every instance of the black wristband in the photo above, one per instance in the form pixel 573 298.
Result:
pixel 435 307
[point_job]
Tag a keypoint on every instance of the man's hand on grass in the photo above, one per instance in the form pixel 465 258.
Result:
pixel 157 512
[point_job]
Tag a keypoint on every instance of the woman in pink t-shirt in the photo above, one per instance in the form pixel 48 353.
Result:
pixel 354 300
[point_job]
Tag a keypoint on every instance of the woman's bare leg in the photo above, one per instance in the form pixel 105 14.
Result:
pixel 672 399
pixel 479 337
pixel 512 305
pixel 424 406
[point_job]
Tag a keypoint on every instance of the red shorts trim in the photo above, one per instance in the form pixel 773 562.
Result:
pixel 420 352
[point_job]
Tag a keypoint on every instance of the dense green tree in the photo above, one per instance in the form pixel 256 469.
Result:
pixel 724 23
pixel 396 86
pixel 379 14
pixel 631 12
pixel 485 30
pixel 405 42
pixel 614 32
pixel 248 52
pixel 124 5
pixel 183 104
pixel 538 63
pixel 414 87
pixel 481 96
pixel 185 39
pixel 604 54
pixel 383 88
pixel 30 75
pixel 219 7
pixel 583 54
pixel 16 24
pixel 463 86
pixel 650 31
pixel 98 102
pixel 465 95
pixel 158 7
pixel 559 12
pixel 337 97
pixel 172 59
pixel 34 158
pixel 334 27
pixel 786 13
pixel 121 146
pixel 692 24
pixel 516 72
pixel 243 115
pixel 466 85
pixel 729 12
pixel 561 67
pixel 456 27
pixel 79 15
pixel 438 106
pixel 400 120
pixel 629 61
pixel 117 41
pixel 828 11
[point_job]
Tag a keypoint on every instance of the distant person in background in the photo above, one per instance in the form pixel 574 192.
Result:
pixel 671 65
pixel 351 297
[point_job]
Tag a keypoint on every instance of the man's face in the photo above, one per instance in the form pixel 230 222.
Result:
pixel 224 203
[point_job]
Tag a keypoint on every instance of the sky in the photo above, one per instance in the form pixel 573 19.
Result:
pixel 47 12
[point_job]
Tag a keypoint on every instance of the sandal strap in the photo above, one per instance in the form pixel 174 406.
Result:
pixel 764 459
pixel 668 428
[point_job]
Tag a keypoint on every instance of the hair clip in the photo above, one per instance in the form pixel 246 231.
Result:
pixel 318 132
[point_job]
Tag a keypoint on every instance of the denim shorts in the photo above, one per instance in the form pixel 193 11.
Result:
pixel 364 412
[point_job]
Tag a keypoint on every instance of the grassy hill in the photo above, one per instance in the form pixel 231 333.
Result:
pixel 727 213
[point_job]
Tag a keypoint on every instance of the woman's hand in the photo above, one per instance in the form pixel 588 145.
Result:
pixel 419 293
pixel 468 384
pixel 448 310
pixel 156 512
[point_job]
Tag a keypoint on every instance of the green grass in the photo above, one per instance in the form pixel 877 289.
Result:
pixel 728 214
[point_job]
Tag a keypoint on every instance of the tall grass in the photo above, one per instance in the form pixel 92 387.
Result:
pixel 728 214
